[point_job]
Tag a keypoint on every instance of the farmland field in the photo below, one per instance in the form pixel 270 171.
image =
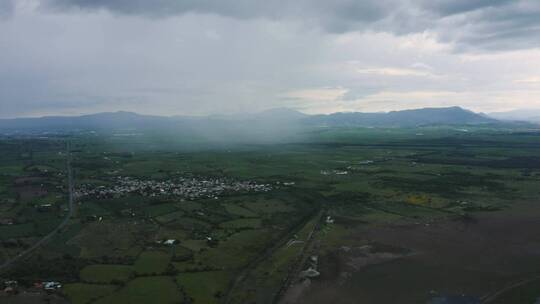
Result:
pixel 106 273
pixel 443 215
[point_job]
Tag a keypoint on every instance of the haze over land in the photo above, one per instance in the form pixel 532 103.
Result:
pixel 170 57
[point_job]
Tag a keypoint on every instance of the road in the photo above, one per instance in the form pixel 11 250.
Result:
pixel 242 276
pixel 293 274
pixel 47 237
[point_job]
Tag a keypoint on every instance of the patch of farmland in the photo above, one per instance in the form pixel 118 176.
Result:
pixel 16 231
pixel 189 223
pixel 144 290
pixel 170 217
pixel 156 210
pixel 239 210
pixel 106 273
pixel 79 293
pixel 190 206
pixel 268 206
pixel 195 245
pixel 250 223
pixel 30 192
pixel 12 170
pixel 236 251
pixel 152 262
pixel 107 239
pixel 214 287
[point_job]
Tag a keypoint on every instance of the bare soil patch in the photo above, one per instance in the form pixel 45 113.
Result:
pixel 444 258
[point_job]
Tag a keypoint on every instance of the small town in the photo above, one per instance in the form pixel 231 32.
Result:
pixel 187 188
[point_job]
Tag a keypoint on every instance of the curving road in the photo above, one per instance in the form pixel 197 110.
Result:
pixel 21 255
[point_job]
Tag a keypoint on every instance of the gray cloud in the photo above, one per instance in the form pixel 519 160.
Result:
pixel 244 9
pixel 336 16
pixel 452 7
pixel 470 24
pixel 506 26
pixel 237 9
pixel 6 8
pixel 202 56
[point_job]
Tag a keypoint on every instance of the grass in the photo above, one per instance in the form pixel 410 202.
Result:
pixel 268 206
pixel 162 290
pixel 152 262
pixel 238 210
pixel 170 217
pixel 79 293
pixel 106 273
pixel 236 251
pixel 242 224
pixel 268 276
pixel 194 245
pixel 190 206
pixel 16 231
pixel 156 210
pixel 12 170
pixel 92 208
pixel 210 292
pixel 185 266
pixel 107 239
pixel 331 236
pixel 411 179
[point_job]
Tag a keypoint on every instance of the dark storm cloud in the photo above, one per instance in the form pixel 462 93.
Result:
pixel 6 8
pixel 507 26
pixel 348 9
pixel 452 7
pixel 237 9
pixel 334 16
pixel 197 57
pixel 470 24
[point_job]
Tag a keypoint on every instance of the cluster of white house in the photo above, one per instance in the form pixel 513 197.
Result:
pixel 189 188
pixel 11 286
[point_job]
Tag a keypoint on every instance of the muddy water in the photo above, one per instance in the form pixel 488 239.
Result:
pixel 468 259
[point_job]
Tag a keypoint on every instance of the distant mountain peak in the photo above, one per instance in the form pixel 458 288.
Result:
pixel 406 118
pixel 278 117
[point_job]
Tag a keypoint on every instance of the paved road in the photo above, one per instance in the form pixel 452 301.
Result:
pixel 14 260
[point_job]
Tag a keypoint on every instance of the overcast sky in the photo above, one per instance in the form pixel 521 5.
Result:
pixel 196 57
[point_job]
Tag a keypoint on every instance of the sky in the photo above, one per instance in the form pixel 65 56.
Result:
pixel 200 57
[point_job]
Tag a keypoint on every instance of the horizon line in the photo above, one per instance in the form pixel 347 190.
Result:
pixel 247 113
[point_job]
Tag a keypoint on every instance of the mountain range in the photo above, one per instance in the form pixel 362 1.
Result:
pixel 406 118
pixel 275 119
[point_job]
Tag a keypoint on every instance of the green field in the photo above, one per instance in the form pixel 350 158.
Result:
pixel 239 210
pixel 106 273
pixel 152 262
pixel 210 292
pixel 146 290
pixel 419 207
pixel 80 293
pixel 242 224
